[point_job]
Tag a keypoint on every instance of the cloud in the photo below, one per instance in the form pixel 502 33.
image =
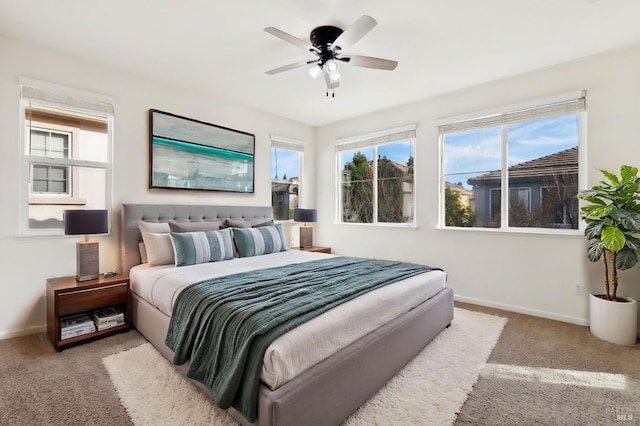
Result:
pixel 479 150
pixel 472 152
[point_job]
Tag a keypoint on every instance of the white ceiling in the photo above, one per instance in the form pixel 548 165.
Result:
pixel 221 47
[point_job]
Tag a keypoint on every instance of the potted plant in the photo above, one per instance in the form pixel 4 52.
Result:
pixel 612 216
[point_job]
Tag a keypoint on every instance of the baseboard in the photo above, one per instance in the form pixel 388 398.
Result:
pixel 521 310
pixel 29 330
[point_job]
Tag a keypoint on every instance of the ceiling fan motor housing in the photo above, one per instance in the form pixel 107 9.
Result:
pixel 322 38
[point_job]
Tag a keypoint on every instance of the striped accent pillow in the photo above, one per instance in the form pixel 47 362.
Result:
pixel 258 241
pixel 190 248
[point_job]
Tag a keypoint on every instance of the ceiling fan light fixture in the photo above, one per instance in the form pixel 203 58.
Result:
pixel 332 65
pixel 315 71
pixel 334 76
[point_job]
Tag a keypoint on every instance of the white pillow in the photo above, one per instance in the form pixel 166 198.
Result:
pixel 157 242
pixel 157 227
pixel 159 248
pixel 143 252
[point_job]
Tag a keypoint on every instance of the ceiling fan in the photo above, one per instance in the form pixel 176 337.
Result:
pixel 327 44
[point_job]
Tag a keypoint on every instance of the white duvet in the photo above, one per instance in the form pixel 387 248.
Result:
pixel 309 343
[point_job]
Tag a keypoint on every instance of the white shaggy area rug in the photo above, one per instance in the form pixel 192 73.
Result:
pixel 428 391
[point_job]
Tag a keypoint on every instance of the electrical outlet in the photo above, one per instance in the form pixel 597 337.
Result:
pixel 578 289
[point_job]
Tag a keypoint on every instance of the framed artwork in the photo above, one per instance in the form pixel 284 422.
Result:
pixel 190 154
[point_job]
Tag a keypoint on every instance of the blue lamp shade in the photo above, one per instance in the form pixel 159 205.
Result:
pixel 86 222
pixel 306 232
pixel 305 215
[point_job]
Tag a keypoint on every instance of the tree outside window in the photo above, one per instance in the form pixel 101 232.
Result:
pixel 377 181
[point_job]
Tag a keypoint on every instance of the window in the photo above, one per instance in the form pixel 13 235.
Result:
pixel 49 179
pixel 516 169
pixel 377 178
pixel 67 152
pixel 286 169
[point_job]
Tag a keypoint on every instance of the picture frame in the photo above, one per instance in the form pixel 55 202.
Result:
pixel 185 153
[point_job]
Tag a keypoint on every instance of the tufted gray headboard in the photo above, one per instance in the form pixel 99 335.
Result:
pixel 132 214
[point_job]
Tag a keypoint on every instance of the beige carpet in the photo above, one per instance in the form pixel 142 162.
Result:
pixel 429 390
pixel 42 387
pixel 545 372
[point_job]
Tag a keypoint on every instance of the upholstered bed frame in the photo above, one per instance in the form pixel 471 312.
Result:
pixel 330 391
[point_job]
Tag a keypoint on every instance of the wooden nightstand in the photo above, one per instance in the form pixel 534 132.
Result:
pixel 315 249
pixel 66 296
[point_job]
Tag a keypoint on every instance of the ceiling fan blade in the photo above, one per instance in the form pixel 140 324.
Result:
pixel 355 32
pixel 371 62
pixel 289 38
pixel 330 84
pixel 289 67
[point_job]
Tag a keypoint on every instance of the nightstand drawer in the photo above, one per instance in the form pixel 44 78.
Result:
pixel 92 298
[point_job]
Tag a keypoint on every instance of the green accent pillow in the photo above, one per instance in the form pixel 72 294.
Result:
pixel 190 248
pixel 258 241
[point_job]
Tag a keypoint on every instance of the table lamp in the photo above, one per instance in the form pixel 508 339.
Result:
pixel 87 222
pixel 306 232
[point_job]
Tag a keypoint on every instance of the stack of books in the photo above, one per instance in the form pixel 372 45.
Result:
pixel 107 318
pixel 76 325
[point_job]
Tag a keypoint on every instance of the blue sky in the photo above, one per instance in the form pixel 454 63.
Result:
pixel 287 163
pixel 471 153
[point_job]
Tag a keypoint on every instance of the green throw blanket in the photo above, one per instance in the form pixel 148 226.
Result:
pixel 224 325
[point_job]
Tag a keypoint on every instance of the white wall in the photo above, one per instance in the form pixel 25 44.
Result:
pixel 529 273
pixel 27 262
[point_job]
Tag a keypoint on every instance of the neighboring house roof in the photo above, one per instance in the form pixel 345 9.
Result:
pixel 402 168
pixel 559 163
pixel 454 187
pixel 284 186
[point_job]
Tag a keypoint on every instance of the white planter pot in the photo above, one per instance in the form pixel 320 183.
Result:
pixel 615 322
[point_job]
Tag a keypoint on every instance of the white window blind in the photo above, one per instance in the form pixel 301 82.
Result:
pixel 50 97
pixel 398 135
pixel 287 144
pixel 555 109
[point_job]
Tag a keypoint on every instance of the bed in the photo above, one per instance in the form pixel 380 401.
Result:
pixel 328 390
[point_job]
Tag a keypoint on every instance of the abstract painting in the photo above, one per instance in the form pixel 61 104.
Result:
pixel 190 154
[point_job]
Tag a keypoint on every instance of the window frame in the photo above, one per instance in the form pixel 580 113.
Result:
pixel 374 140
pixel 294 145
pixel 580 112
pixel 50 132
pixel 50 180
pixel 74 100
pixel 33 164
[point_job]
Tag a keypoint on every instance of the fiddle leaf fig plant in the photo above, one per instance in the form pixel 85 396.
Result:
pixel 612 215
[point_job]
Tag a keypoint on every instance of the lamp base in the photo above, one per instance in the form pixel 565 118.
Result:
pixel 87 260
pixel 306 236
